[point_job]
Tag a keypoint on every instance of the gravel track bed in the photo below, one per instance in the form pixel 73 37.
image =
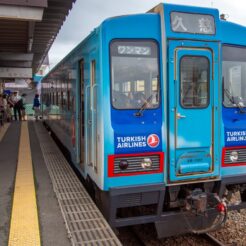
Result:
pixel 148 235
pixel 234 231
pixel 232 234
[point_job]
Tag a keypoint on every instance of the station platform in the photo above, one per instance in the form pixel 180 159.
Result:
pixel 42 201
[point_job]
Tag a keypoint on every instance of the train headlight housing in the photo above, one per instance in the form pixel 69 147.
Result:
pixel 123 164
pixel 234 156
pixel 146 163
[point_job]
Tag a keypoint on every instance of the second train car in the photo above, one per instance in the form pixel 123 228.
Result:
pixel 151 109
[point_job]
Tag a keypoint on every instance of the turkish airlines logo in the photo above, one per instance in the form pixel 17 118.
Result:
pixel 153 140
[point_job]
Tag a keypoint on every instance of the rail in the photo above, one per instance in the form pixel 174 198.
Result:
pixel 214 241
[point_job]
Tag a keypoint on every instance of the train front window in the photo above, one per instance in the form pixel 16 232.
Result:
pixel 134 74
pixel 234 76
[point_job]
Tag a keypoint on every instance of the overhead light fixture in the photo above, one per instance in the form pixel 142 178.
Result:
pixel 30 43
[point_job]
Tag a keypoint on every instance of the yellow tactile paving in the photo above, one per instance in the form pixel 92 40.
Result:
pixel 24 226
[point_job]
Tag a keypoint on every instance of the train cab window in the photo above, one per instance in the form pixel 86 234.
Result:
pixel 134 74
pixel 234 76
pixel 194 81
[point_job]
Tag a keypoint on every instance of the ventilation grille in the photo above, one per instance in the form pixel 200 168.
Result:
pixel 135 164
pixel 241 156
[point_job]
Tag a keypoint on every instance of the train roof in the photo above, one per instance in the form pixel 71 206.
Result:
pixel 232 33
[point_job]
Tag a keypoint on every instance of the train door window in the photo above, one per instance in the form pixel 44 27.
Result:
pixel 134 68
pixel 194 81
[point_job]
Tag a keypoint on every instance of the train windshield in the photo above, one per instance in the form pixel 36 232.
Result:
pixel 134 74
pixel 234 76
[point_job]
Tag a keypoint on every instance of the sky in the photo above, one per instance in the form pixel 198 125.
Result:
pixel 88 14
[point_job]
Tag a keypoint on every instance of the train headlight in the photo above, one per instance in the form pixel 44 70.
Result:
pixel 146 163
pixel 123 164
pixel 234 156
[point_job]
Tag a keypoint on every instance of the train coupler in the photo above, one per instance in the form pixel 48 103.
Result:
pixel 205 205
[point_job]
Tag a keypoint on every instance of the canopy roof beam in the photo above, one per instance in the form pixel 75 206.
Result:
pixel 5 56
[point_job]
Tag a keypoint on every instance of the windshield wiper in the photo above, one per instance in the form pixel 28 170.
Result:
pixel 143 107
pixel 232 100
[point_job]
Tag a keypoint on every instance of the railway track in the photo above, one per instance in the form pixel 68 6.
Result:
pixel 211 239
pixel 137 238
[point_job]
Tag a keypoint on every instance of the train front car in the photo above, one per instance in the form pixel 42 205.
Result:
pixel 234 113
pixel 134 131
pixel 162 134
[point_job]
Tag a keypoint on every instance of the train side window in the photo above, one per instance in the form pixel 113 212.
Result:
pixel 194 81
pixel 93 80
pixel 82 112
pixel 82 86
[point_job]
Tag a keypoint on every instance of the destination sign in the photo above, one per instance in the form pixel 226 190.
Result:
pixel 134 50
pixel 192 23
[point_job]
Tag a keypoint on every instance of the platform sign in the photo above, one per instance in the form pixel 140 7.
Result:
pixel 8 72
pixel 192 23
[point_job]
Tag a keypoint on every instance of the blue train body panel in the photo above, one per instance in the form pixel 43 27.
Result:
pixel 128 134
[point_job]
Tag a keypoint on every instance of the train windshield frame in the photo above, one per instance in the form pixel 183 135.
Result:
pixel 234 76
pixel 135 73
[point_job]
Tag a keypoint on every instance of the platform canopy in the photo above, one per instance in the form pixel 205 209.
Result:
pixel 27 31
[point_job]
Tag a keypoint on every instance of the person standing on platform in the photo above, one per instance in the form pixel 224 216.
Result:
pixel 17 105
pixel 23 108
pixel 10 107
pixel 5 106
pixel 1 110
pixel 36 106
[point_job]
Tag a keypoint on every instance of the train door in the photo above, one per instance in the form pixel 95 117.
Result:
pixel 81 116
pixel 91 136
pixel 193 111
pixel 94 142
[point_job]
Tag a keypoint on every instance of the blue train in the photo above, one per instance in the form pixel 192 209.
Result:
pixel 151 108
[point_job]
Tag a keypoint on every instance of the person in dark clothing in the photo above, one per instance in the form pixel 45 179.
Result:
pixel 17 109
pixel 18 104
pixel 36 106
